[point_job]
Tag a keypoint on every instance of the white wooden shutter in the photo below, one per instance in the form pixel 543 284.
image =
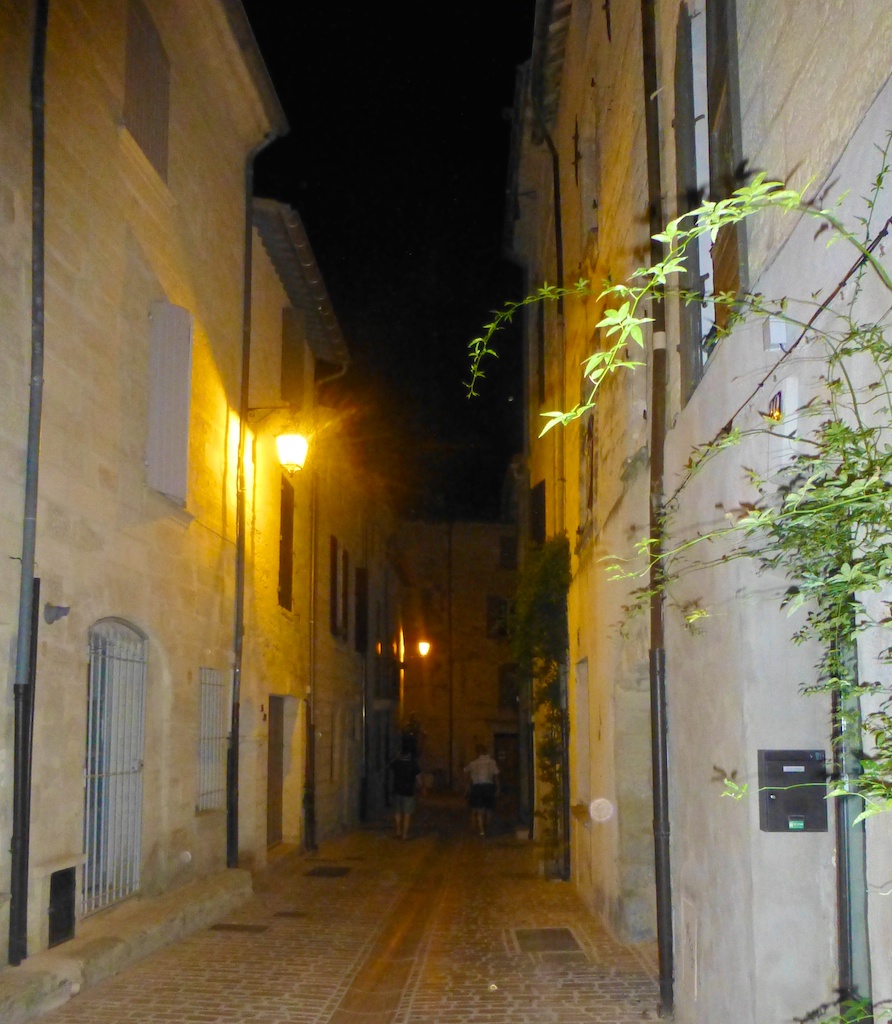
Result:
pixel 170 394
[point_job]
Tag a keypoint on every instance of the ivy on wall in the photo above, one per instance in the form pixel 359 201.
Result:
pixel 539 643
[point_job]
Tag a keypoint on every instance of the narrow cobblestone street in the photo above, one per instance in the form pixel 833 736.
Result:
pixel 447 927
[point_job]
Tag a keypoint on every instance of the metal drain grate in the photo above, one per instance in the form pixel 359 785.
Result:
pixel 325 872
pixel 546 940
pixel 239 927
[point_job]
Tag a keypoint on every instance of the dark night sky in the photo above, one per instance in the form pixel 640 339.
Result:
pixel 397 161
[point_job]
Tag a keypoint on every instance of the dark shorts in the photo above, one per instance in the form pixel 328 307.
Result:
pixel 483 796
pixel 403 804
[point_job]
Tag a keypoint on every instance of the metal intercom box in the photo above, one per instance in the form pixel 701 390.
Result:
pixel 792 791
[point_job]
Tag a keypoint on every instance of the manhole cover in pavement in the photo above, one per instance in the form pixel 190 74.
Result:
pixel 238 927
pixel 546 940
pixel 326 872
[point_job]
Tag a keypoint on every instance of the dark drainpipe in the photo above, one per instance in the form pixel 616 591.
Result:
pixel 853 936
pixel 23 687
pixel 232 759
pixel 659 726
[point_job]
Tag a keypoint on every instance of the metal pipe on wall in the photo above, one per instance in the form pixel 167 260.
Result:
pixel 26 636
pixel 657 413
pixel 309 801
pixel 232 758
pixel 853 933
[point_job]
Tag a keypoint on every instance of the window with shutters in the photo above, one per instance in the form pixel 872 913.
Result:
pixel 588 453
pixel 293 357
pixel 147 87
pixel 726 167
pixel 708 165
pixel 498 615
pixel 361 613
pixel 339 590
pixel 537 514
pixel 345 594
pixel 334 603
pixel 169 400
pixel 509 687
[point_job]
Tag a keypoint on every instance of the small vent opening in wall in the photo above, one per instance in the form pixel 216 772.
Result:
pixel 61 910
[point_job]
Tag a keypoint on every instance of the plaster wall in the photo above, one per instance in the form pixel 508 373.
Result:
pixel 809 74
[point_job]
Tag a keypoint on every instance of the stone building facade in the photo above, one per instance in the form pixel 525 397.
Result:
pixel 459 584
pixel 174 556
pixel 321 594
pixel 627 113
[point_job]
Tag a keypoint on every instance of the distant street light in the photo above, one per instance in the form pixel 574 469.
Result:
pixel 424 648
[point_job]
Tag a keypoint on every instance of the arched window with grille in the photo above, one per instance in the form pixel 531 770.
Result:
pixel 114 763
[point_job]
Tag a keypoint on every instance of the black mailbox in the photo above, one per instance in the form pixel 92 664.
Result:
pixel 792 791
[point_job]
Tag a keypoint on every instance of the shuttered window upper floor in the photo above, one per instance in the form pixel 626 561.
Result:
pixel 147 87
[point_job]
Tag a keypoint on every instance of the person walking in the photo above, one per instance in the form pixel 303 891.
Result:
pixel 483 773
pixel 405 771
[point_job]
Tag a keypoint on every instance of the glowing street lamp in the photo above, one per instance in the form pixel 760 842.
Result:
pixel 292 449
pixel 424 648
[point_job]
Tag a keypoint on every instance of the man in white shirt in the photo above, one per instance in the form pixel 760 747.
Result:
pixel 483 773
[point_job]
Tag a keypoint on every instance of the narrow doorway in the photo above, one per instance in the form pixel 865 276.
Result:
pixel 505 748
pixel 275 770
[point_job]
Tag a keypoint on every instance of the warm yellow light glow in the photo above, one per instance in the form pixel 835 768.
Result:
pixel 232 437
pixel 292 449
pixel 424 648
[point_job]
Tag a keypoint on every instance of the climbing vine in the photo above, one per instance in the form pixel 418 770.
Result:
pixel 539 643
pixel 824 519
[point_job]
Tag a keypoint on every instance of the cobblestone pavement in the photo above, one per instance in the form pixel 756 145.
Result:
pixel 447 927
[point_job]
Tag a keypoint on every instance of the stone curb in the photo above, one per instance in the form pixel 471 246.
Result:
pixel 112 940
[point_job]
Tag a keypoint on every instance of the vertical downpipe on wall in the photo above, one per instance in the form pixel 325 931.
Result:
pixel 853 935
pixel 451 661
pixel 28 588
pixel 657 412
pixel 309 802
pixel 232 758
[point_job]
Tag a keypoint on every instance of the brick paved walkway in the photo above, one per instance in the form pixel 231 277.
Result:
pixel 444 929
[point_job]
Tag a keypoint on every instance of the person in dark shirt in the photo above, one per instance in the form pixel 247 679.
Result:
pixel 404 769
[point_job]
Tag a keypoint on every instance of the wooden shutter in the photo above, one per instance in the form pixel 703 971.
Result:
pixel 725 164
pixel 170 399
pixel 689 198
